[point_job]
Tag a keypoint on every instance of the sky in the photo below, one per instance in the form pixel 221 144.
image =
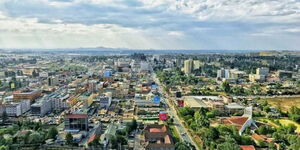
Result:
pixel 151 24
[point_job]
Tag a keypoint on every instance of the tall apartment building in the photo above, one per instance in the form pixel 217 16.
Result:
pixel 223 73
pixel 262 71
pixel 188 66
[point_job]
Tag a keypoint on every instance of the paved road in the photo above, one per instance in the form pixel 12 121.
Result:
pixel 273 96
pixel 185 136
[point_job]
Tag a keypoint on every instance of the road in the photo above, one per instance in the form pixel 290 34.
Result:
pixel 185 136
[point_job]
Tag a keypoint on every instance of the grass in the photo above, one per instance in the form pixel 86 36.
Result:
pixel 175 133
pixel 284 122
pixel 284 103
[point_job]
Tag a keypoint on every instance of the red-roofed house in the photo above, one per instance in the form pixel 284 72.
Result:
pixel 158 137
pixel 241 122
pixel 247 147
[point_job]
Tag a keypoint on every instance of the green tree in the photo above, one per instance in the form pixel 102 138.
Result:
pixel 69 139
pixel 35 138
pixel 52 133
pixel 4 117
pixel 113 142
pixel 121 140
pixel 267 109
pixel 184 146
pixel 229 144
pixel 226 87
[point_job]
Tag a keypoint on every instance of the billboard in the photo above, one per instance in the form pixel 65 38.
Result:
pixel 107 74
pixel 180 103
pixel 156 100
pixel 163 115
pixel 154 86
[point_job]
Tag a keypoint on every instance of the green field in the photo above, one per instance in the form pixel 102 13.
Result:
pixel 283 103
pixel 284 122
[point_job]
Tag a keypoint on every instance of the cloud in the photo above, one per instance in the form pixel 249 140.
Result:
pixel 180 24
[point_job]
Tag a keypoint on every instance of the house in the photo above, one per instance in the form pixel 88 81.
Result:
pixel 241 122
pixel 247 147
pixel 158 137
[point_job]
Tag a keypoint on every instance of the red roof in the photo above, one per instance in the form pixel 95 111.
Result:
pixel 156 130
pixel 92 138
pixel 247 147
pixel 236 121
pixel 77 116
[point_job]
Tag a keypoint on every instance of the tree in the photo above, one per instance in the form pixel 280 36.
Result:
pixel 69 138
pixel 267 109
pixel 113 142
pixel 95 142
pixel 35 138
pixel 121 140
pixel 229 144
pixel 226 86
pixel 52 133
pixel 4 117
pixel 184 146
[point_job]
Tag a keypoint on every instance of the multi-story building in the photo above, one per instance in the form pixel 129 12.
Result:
pixel 262 71
pixel 188 66
pixel 223 73
pixel 41 107
pixel 104 100
pixel 76 122
pixel 282 74
pixel 13 110
pixel 257 78
pixel 26 94
pixel 52 81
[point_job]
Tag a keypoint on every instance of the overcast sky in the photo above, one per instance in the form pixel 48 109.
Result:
pixel 151 24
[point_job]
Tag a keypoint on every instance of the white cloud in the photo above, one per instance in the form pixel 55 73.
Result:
pixel 144 24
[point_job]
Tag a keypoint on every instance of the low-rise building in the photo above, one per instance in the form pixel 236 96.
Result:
pixel 76 122
pixel 158 137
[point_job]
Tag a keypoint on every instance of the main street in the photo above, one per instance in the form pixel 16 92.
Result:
pixel 185 136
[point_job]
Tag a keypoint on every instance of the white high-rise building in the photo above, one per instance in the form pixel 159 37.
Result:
pixel 223 73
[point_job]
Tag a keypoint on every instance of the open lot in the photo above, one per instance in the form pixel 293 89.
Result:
pixel 284 103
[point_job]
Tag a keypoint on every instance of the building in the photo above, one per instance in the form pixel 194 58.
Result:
pixel 158 137
pixel 284 74
pixel 13 110
pixel 104 100
pixel 26 94
pixel 92 87
pixel 262 71
pixel 257 78
pixel 188 66
pixel 53 81
pixel 41 107
pixel 247 147
pixel 236 74
pixel 232 108
pixel 241 122
pixel 144 67
pixel 196 64
pixel 76 122
pixel 223 73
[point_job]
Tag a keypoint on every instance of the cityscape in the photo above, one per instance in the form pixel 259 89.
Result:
pixel 149 74
pixel 63 100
